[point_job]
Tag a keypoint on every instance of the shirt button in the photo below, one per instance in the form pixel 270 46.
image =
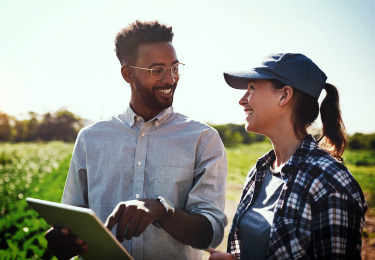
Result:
pixel 156 123
pixel 143 134
pixel 137 196
pixel 139 163
pixel 285 187
pixel 138 119
pixel 131 124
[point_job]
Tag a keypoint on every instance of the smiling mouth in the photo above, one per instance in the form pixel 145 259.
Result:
pixel 249 112
pixel 165 91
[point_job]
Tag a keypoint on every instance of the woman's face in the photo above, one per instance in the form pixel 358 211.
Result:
pixel 261 106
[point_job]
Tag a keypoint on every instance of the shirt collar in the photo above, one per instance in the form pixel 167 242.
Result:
pixel 160 118
pixel 301 154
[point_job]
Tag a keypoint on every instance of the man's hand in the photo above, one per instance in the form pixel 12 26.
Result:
pixel 134 216
pixel 217 255
pixel 63 245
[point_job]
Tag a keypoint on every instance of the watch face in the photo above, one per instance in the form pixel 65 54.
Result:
pixel 169 208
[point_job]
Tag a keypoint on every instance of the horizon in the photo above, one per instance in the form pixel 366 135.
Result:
pixel 60 54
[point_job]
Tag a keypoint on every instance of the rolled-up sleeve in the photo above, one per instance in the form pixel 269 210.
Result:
pixel 75 191
pixel 207 197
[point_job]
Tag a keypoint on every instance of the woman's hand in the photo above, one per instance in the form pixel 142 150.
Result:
pixel 217 255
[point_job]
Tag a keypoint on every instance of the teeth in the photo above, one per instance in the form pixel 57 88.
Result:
pixel 165 91
pixel 248 112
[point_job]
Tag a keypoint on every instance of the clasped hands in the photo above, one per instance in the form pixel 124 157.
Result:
pixel 132 218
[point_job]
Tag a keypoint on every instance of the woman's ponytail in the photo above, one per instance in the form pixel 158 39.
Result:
pixel 333 138
pixel 306 109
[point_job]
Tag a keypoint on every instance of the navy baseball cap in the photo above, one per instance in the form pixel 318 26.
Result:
pixel 293 69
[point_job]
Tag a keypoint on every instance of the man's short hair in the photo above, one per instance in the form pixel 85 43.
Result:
pixel 128 39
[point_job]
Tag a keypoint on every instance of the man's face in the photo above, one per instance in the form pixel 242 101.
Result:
pixel 150 93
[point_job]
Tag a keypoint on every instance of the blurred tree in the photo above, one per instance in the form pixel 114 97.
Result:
pixel 232 134
pixel 5 127
pixel 19 131
pixel 64 125
pixel 68 126
pixel 360 141
pixel 32 127
pixel 45 129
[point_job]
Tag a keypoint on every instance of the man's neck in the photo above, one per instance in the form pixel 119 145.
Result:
pixel 146 113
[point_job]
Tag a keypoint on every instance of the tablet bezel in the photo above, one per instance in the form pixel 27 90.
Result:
pixel 83 223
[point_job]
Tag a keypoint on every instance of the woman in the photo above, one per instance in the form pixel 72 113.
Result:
pixel 299 201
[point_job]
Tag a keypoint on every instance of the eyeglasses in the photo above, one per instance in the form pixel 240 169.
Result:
pixel 159 72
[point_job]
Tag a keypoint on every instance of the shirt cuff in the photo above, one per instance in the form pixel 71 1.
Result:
pixel 218 231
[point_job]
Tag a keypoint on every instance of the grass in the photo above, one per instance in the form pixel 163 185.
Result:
pixel 242 158
pixel 40 170
pixel 29 170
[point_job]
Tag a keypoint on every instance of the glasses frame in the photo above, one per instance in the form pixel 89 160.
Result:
pixel 170 68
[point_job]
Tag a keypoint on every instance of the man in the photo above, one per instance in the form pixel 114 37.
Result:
pixel 149 165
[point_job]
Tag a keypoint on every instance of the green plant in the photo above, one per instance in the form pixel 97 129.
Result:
pixel 36 170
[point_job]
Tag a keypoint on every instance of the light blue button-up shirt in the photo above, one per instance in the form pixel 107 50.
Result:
pixel 124 158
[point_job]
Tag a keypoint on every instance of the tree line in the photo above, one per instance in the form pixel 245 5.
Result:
pixel 232 134
pixel 360 141
pixel 64 125
pixel 61 125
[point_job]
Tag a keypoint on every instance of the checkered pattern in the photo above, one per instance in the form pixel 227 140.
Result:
pixel 320 213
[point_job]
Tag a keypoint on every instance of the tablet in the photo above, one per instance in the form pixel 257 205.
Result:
pixel 83 223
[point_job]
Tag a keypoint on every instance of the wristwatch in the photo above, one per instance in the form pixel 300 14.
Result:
pixel 169 208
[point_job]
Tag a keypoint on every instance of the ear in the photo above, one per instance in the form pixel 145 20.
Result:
pixel 286 95
pixel 127 74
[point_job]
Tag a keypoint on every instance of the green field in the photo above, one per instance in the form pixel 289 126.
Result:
pixel 360 163
pixel 29 170
pixel 39 171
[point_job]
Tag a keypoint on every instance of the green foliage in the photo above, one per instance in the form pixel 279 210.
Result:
pixel 62 125
pixel 242 158
pixel 39 170
pixel 5 127
pixel 365 176
pixel 359 157
pixel 360 141
pixel 232 134
pixel 35 170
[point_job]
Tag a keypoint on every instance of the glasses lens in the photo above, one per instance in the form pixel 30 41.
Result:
pixel 177 69
pixel 158 72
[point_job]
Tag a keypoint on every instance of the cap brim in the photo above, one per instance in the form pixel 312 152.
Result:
pixel 239 80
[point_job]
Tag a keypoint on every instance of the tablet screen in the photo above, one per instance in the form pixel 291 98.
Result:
pixel 83 223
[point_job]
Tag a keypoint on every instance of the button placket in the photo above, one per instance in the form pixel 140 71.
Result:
pixel 139 176
pixel 140 160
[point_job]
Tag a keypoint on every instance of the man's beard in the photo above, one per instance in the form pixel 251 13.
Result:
pixel 150 99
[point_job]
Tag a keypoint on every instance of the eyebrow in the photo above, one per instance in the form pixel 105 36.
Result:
pixel 161 64
pixel 251 81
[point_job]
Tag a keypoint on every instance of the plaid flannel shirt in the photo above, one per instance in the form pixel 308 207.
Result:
pixel 320 212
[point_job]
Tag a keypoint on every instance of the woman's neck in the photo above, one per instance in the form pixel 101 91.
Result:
pixel 285 144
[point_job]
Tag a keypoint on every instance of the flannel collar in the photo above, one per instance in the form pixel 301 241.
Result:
pixel 307 146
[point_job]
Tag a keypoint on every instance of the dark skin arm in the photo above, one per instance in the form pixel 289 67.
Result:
pixel 63 245
pixel 189 229
pixel 217 255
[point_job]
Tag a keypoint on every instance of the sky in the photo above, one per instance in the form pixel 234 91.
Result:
pixel 60 54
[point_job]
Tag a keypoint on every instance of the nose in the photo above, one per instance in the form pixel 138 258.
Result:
pixel 244 100
pixel 168 78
